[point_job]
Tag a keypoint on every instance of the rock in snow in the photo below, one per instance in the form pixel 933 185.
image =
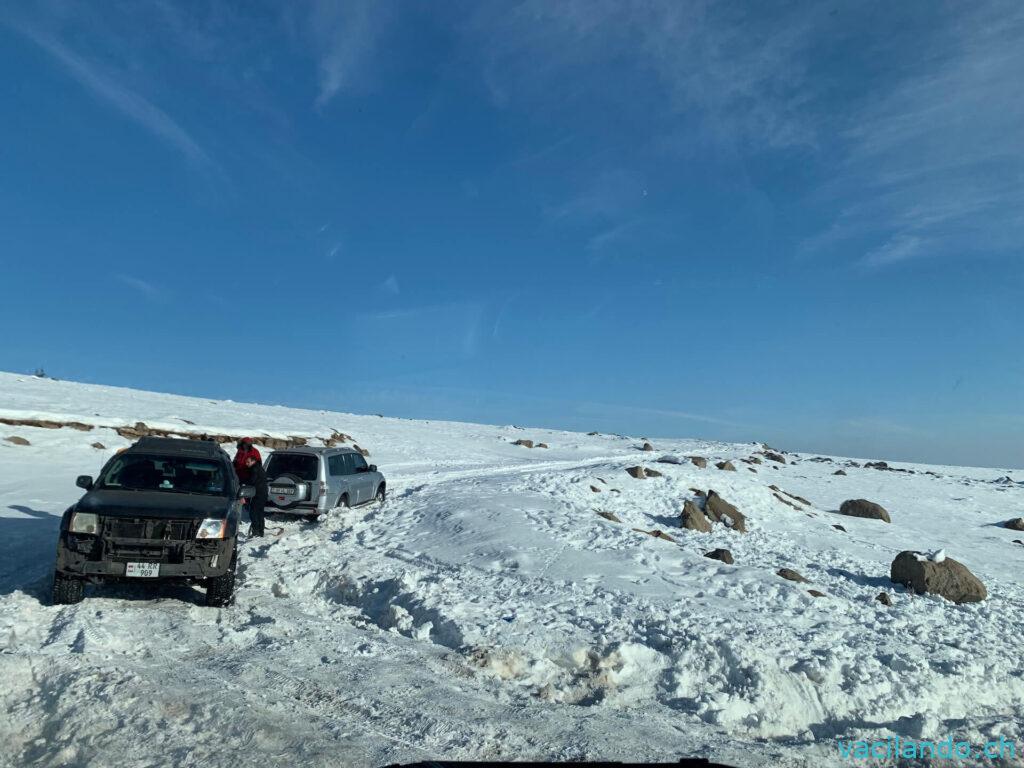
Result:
pixel 726 465
pixel 693 519
pixel 721 511
pixel 864 508
pixel 790 575
pixel 946 577
pixel 720 554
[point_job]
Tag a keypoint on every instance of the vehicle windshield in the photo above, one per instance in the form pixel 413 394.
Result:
pixel 170 474
pixel 302 465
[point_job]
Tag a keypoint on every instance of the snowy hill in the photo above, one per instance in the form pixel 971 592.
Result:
pixel 487 611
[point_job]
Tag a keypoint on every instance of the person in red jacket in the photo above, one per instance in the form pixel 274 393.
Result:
pixel 245 452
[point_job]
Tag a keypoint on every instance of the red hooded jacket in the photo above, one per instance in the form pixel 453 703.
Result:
pixel 241 457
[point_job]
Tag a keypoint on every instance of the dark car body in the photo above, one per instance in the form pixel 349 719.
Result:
pixel 150 533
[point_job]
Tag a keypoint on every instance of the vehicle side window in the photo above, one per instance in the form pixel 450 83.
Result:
pixel 350 468
pixel 336 464
pixel 359 463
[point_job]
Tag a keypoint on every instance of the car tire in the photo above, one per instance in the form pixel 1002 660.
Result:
pixel 312 518
pixel 381 493
pixel 342 502
pixel 220 590
pixel 67 590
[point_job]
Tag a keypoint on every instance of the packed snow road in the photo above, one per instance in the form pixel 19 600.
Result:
pixel 486 611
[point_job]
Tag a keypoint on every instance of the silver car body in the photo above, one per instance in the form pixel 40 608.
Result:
pixel 311 481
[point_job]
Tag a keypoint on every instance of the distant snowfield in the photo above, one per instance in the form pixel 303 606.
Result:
pixel 487 611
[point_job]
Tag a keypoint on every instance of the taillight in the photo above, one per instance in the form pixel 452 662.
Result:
pixel 323 488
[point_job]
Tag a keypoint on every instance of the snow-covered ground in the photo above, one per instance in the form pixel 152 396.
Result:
pixel 487 611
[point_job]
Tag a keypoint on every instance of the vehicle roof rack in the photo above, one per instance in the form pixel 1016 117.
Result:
pixel 185 447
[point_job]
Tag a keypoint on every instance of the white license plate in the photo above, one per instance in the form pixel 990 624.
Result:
pixel 142 570
pixel 282 491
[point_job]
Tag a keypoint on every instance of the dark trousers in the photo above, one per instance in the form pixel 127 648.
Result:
pixel 255 506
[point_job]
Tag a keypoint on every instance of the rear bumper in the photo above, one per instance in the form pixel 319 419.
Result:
pixel 298 509
pixel 102 558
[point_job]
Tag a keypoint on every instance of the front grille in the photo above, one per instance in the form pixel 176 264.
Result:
pixel 153 529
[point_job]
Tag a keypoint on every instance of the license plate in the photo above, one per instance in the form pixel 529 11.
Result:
pixel 142 570
pixel 282 491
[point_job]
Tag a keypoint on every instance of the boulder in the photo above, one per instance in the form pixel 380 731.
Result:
pixel 541 445
pixel 721 511
pixel 637 472
pixel 1016 524
pixel 720 554
pixel 693 519
pixel 790 575
pixel 17 440
pixel 699 461
pixel 595 489
pixel 883 598
pixel 647 447
pixel 816 593
pixel 946 577
pixel 839 528
pixel 609 516
pixel 864 508
pixel 776 457
pixel 786 501
pixel 652 473
pixel 592 434
pixel 754 459
pixel 726 465
pixel 839 472
pixel 876 465
pixel 655 533
pixel 99 446
pixel 523 442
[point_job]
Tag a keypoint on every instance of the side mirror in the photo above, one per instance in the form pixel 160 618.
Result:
pixel 246 492
pixel 373 467
pixel 84 481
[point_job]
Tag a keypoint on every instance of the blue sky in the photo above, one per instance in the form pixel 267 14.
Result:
pixel 798 222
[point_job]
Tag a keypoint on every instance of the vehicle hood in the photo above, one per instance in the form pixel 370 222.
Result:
pixel 154 504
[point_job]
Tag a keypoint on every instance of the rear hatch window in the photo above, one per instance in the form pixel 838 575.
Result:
pixel 303 466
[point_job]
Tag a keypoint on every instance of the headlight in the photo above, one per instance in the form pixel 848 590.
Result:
pixel 212 528
pixel 85 522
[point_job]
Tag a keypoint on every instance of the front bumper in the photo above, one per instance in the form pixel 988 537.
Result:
pixel 102 557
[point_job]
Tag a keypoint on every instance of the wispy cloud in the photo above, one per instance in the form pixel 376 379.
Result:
pixel 105 86
pixel 931 165
pixel 344 37
pixel 390 286
pixel 900 247
pixel 147 289
pixel 741 71
pixel 589 409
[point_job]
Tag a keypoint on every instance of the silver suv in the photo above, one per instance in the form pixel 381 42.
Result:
pixel 311 481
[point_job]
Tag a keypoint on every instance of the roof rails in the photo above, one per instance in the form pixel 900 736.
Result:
pixel 178 445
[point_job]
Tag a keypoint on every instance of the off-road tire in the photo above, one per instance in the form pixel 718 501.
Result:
pixel 66 590
pixel 220 590
pixel 382 495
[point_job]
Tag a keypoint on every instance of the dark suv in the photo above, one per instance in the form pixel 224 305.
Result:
pixel 162 509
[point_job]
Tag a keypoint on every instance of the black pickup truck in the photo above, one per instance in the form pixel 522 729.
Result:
pixel 164 509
